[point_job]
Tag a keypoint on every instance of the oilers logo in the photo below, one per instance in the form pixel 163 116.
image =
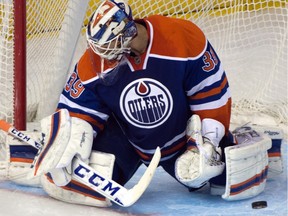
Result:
pixel 146 103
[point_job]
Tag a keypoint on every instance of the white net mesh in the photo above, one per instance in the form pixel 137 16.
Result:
pixel 52 30
pixel 6 60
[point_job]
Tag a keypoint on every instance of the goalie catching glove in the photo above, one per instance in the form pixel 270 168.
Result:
pixel 202 160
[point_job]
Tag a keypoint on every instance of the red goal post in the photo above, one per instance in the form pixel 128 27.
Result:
pixel 19 53
pixel 39 37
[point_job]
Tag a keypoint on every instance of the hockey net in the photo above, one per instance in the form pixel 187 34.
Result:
pixel 250 37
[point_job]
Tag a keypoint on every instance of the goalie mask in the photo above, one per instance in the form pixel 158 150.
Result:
pixel 111 29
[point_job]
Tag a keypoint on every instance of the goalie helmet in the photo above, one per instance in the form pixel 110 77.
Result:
pixel 110 29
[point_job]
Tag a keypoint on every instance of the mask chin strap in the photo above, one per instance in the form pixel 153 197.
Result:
pixel 102 66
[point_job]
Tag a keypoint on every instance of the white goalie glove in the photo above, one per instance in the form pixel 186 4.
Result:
pixel 202 161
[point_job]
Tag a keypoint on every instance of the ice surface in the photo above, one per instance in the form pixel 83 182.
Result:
pixel 164 197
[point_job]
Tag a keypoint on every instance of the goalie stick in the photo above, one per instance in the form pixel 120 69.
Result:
pixel 93 179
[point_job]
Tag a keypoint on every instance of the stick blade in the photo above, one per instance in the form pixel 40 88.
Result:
pixel 136 192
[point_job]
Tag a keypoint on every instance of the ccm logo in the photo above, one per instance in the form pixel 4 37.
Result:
pixel 24 137
pixel 97 180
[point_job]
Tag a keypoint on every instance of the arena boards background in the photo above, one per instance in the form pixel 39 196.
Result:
pixel 164 197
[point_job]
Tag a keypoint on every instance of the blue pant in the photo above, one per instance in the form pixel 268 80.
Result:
pixel 112 140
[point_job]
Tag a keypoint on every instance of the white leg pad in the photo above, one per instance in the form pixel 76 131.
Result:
pixel 77 193
pixel 246 168
pixel 17 169
pixel 276 166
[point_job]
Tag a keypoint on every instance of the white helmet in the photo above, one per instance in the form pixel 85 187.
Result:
pixel 110 29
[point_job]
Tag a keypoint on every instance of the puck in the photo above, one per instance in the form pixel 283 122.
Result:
pixel 259 204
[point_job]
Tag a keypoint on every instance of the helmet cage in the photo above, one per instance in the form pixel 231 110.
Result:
pixel 112 39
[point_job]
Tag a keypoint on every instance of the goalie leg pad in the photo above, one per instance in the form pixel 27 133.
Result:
pixel 246 169
pixel 276 166
pixel 76 192
pixel 16 159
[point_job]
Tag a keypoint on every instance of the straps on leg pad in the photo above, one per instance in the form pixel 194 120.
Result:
pixel 77 193
pixel 246 167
